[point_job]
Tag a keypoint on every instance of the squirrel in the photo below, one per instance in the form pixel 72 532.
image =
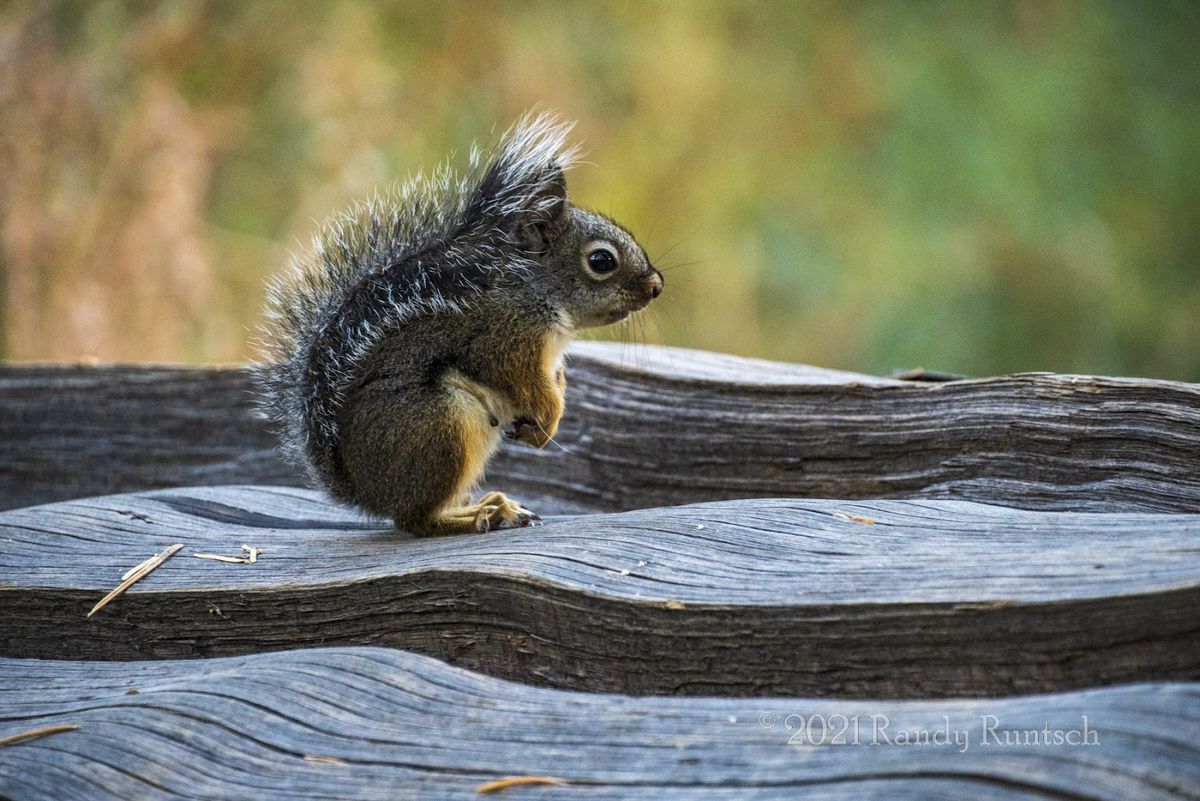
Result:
pixel 426 323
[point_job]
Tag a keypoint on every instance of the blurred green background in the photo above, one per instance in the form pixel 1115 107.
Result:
pixel 976 187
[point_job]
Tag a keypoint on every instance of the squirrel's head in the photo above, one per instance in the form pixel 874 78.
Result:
pixel 589 268
pixel 593 270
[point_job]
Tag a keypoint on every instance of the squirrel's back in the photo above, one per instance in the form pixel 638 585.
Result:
pixel 431 247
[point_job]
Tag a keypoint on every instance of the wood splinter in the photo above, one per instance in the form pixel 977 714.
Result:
pixel 236 560
pixel 324 760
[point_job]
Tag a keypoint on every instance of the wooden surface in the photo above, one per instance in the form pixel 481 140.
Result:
pixel 648 427
pixel 783 604
pixel 403 726
pixel 761 597
pixel 70 431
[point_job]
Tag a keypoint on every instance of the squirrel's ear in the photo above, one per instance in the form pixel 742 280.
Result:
pixel 548 212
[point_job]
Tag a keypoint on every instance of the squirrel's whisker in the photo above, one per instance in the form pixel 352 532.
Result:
pixel 685 264
pixel 556 442
pixel 667 252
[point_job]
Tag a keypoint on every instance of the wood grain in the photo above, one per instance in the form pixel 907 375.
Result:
pixel 389 725
pixel 650 427
pixel 760 597
pixel 70 431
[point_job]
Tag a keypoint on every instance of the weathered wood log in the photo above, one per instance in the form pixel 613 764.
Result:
pixel 70 431
pixel 652 427
pixel 370 723
pixel 882 599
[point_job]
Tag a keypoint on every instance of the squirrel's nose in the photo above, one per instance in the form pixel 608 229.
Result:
pixel 656 284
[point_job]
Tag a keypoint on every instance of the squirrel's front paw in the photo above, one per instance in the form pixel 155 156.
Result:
pixel 529 431
pixel 521 429
pixel 498 511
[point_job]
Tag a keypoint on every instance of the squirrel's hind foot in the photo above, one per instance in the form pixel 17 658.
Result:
pixel 496 510
pixel 493 512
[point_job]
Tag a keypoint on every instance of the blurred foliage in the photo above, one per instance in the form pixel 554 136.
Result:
pixel 978 187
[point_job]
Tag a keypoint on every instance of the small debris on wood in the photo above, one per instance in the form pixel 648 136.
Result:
pixel 140 572
pixel 324 760
pixel 36 733
pixel 237 560
pixel 252 553
pixel 699 528
pixel 673 604
pixel 137 567
pixel 517 781
pixel 853 518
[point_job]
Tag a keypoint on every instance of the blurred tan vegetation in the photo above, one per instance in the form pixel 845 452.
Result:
pixel 979 187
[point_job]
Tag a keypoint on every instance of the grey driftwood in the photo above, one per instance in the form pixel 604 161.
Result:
pixel 895 599
pixel 648 427
pixel 371 723
pixel 992 538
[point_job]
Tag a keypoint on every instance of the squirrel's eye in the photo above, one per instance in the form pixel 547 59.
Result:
pixel 602 260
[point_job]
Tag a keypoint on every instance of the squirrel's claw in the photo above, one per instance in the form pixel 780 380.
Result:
pixel 497 511
pixel 522 519
pixel 523 430
pixel 528 431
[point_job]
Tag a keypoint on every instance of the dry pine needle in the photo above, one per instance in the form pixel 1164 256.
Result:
pixel 138 573
pixel 517 781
